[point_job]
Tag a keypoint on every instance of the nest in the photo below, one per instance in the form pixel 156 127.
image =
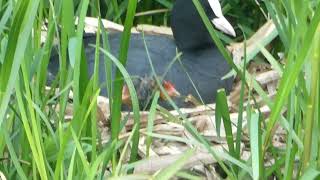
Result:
pixel 163 153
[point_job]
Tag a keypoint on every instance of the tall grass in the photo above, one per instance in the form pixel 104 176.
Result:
pixel 37 142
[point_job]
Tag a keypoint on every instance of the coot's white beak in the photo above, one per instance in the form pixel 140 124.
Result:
pixel 223 25
pixel 221 22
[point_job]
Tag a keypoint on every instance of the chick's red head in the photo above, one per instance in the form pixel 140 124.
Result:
pixel 170 89
pixel 146 87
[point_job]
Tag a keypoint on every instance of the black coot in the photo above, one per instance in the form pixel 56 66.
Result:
pixel 200 61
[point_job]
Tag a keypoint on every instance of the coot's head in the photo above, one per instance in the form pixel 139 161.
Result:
pixel 188 28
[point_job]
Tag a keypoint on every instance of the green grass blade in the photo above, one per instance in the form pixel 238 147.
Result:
pixel 22 26
pixel 290 75
pixel 71 166
pixel 28 131
pixel 171 170
pixel 5 16
pixel 80 152
pixel 151 117
pixel 223 109
pixel 13 154
pixel 311 106
pixel 134 100
pixel 118 85
pixel 79 61
pixel 255 145
pixel 310 173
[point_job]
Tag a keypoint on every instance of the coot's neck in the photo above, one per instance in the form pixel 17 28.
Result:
pixel 187 26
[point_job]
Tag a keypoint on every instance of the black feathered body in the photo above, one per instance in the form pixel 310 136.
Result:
pixel 205 66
